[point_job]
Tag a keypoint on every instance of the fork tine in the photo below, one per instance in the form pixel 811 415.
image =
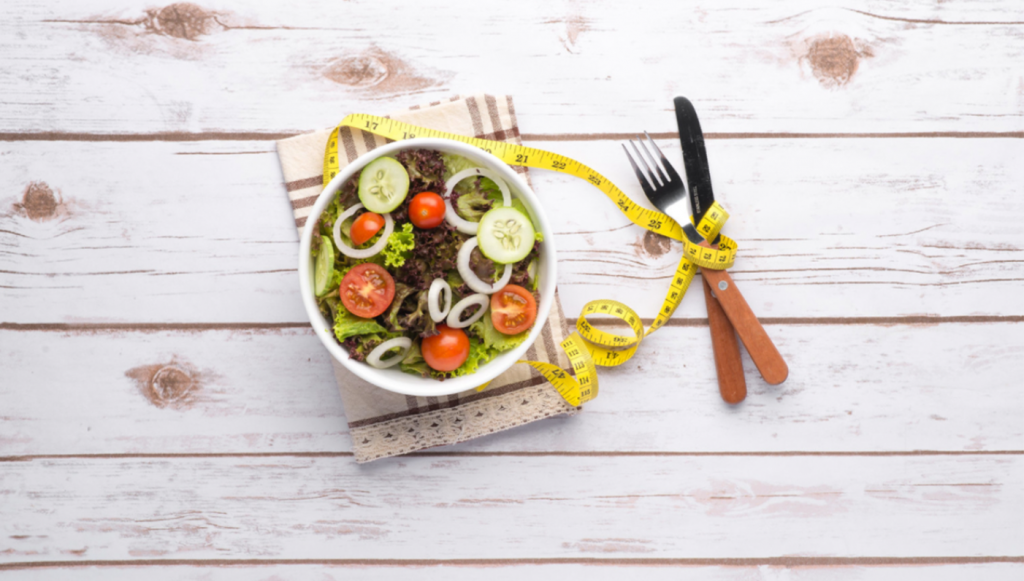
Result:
pixel 648 190
pixel 650 173
pixel 668 166
pixel 654 163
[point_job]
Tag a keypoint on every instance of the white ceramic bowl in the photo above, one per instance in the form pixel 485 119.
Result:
pixel 392 379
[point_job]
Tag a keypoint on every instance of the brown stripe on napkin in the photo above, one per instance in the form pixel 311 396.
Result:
pixel 306 183
pixel 382 423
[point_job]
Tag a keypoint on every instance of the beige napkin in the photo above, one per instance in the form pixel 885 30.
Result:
pixel 383 423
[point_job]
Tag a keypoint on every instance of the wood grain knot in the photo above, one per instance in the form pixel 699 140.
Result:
pixel 38 202
pixel 575 23
pixel 382 72
pixel 833 59
pixel 654 244
pixel 181 20
pixel 172 384
pixel 363 70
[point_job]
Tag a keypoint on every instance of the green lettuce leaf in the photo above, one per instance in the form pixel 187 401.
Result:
pixel 402 291
pixel 479 354
pixel 473 204
pixel 493 339
pixel 410 312
pixel 413 362
pixel 328 217
pixel 453 164
pixel 348 325
pixel 476 196
pixel 399 247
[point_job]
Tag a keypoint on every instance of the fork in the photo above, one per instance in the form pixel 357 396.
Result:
pixel 668 193
pixel 732 384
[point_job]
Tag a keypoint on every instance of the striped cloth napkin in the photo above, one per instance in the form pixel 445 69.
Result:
pixel 383 423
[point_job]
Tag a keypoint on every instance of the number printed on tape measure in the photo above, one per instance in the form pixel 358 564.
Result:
pixel 588 346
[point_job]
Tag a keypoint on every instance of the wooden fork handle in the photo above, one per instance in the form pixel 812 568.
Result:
pixel 766 357
pixel 728 364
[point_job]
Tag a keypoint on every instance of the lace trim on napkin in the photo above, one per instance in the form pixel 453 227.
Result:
pixel 468 421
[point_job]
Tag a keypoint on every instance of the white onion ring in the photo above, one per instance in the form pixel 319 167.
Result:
pixel 373 359
pixel 471 279
pixel 389 227
pixel 455 317
pixel 452 217
pixel 436 288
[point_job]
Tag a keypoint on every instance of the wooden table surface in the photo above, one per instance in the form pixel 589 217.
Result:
pixel 872 156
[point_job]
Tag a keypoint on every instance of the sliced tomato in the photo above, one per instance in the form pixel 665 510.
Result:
pixel 367 290
pixel 447 350
pixel 365 227
pixel 513 309
pixel 426 210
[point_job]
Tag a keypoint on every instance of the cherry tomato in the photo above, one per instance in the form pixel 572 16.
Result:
pixel 367 290
pixel 513 310
pixel 426 210
pixel 365 226
pixel 447 350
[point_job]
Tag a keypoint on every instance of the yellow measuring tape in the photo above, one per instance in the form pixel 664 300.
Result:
pixel 588 346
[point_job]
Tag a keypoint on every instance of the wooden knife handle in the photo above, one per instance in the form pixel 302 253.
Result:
pixel 766 357
pixel 728 363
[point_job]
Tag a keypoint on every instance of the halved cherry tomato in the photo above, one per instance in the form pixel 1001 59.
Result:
pixel 447 350
pixel 365 226
pixel 367 290
pixel 513 310
pixel 426 210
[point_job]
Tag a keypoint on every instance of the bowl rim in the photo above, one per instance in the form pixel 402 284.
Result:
pixel 392 379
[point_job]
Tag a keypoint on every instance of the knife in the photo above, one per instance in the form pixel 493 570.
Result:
pixel 741 318
pixel 728 364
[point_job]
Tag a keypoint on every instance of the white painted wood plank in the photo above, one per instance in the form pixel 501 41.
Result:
pixel 104 67
pixel 503 571
pixel 511 507
pixel 155 232
pixel 852 389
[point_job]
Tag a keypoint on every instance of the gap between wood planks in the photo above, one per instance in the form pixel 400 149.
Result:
pixel 693 562
pixel 699 322
pixel 507 454
pixel 269 136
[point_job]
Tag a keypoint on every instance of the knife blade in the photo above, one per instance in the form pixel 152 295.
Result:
pixel 695 159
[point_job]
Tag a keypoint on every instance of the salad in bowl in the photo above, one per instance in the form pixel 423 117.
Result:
pixel 426 267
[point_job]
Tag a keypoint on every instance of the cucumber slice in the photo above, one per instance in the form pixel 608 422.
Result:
pixel 324 267
pixel 383 185
pixel 505 235
pixel 532 272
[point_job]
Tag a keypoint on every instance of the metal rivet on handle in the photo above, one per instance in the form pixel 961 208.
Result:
pixel 722 285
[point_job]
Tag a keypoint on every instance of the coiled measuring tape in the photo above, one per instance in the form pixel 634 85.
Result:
pixel 589 346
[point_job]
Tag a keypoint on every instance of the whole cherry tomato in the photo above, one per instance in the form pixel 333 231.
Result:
pixel 365 227
pixel 426 210
pixel 447 350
